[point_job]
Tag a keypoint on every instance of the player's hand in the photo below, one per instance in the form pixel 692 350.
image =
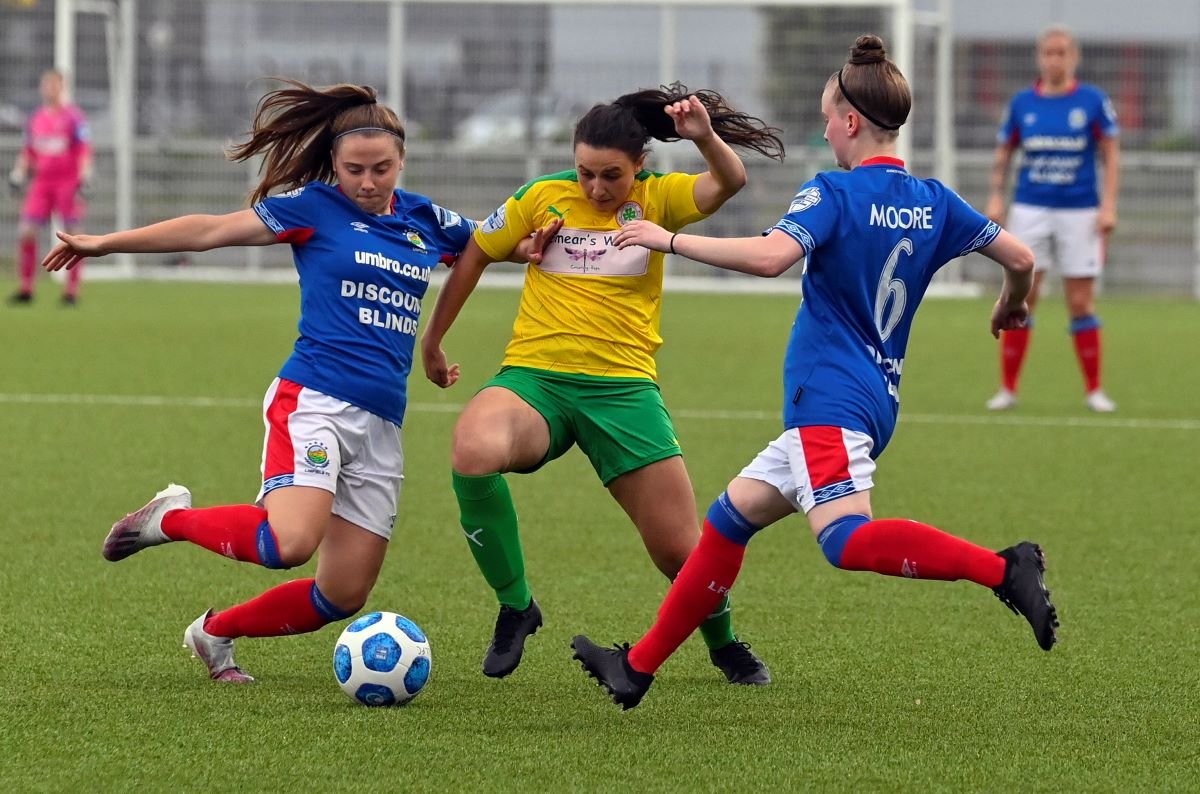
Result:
pixel 691 118
pixel 16 181
pixel 530 249
pixel 439 372
pixel 73 248
pixel 1106 221
pixel 1007 317
pixel 644 233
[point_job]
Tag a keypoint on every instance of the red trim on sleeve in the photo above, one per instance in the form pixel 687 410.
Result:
pixel 298 236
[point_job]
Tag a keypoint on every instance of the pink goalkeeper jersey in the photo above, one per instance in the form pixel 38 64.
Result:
pixel 56 140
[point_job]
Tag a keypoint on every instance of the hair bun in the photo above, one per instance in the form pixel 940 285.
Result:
pixel 868 49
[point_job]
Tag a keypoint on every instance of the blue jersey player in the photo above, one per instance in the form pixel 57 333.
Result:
pixel 332 458
pixel 1061 127
pixel 872 238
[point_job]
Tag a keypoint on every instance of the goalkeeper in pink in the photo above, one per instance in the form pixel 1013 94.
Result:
pixel 53 167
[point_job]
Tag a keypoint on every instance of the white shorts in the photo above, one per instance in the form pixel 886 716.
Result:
pixel 1067 238
pixel 814 465
pixel 319 441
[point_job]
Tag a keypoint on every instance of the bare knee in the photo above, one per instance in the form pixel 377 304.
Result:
pixel 348 596
pixel 295 548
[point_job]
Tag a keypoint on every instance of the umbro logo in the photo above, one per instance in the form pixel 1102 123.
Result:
pixel 909 570
pixel 359 226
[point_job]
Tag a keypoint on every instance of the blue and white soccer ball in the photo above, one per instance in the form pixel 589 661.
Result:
pixel 382 659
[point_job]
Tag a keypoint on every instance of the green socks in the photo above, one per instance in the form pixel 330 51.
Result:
pixel 717 628
pixel 489 520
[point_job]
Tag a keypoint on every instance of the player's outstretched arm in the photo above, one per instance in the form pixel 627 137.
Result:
pixel 186 233
pixel 767 256
pixel 1011 310
pixel 451 297
pixel 997 182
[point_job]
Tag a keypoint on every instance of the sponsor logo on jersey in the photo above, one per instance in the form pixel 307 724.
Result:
pixel 629 212
pixel 359 226
pixel 415 239
pixel 316 455
pixel 1069 143
pixel 494 222
pixel 1077 118
pixel 293 192
pixel 809 197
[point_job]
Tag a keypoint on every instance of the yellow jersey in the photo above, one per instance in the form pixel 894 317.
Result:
pixel 588 307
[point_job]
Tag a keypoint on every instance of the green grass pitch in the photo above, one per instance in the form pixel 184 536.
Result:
pixel 880 684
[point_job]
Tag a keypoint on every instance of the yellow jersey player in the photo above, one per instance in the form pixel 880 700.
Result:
pixel 580 367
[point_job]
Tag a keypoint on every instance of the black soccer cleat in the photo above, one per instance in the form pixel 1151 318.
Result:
pixel 1024 592
pixel 740 665
pixel 513 626
pixel 611 669
pixel 20 298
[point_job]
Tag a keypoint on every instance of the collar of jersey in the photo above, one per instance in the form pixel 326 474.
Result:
pixel 883 160
pixel 1071 89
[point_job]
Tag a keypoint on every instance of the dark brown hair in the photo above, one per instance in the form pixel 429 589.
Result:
pixel 296 129
pixel 873 85
pixel 630 121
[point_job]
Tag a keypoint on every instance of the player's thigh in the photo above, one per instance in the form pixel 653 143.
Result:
pixel 661 503
pixel 1033 226
pixel 69 206
pixel 810 466
pixel 1080 244
pixel 499 431
pixel 348 563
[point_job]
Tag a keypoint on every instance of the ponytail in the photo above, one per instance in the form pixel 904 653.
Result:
pixel 629 122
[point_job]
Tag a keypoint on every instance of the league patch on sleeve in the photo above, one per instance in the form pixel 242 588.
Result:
pixel 809 197
pixel 494 222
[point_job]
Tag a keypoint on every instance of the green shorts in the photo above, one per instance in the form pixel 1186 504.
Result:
pixel 621 424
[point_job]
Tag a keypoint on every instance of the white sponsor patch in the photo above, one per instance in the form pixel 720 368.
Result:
pixel 582 252
pixel 494 222
pixel 809 197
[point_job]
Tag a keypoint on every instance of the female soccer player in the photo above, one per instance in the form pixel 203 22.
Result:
pixel 58 152
pixel 332 459
pixel 580 366
pixel 873 239
pixel 1060 125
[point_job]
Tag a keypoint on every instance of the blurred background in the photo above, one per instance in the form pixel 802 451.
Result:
pixel 490 91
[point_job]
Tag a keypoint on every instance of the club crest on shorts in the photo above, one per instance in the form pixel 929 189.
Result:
pixel 629 212
pixel 316 455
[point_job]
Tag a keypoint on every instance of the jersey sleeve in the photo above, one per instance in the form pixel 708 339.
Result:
pixel 507 226
pixel 968 229
pixel 1104 125
pixel 292 216
pixel 1009 132
pixel 811 217
pixel 453 231
pixel 676 195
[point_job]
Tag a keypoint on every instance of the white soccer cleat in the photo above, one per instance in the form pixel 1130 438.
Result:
pixel 1003 400
pixel 216 653
pixel 143 528
pixel 1099 402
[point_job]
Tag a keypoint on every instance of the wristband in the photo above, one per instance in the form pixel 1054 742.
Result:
pixel 672 244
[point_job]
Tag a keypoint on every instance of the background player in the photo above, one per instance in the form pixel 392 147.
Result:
pixel 1060 125
pixel 580 366
pixel 58 154
pixel 873 239
pixel 332 458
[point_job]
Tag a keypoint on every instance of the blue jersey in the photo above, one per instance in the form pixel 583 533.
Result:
pixel 873 237
pixel 362 278
pixel 1058 137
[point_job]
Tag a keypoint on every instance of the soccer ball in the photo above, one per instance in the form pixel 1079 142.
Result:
pixel 382 659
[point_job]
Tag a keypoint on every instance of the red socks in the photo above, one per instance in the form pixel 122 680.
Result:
pixel 1013 346
pixel 290 608
pixel 1087 350
pixel 899 547
pixel 27 264
pixel 240 532
pixel 704 580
